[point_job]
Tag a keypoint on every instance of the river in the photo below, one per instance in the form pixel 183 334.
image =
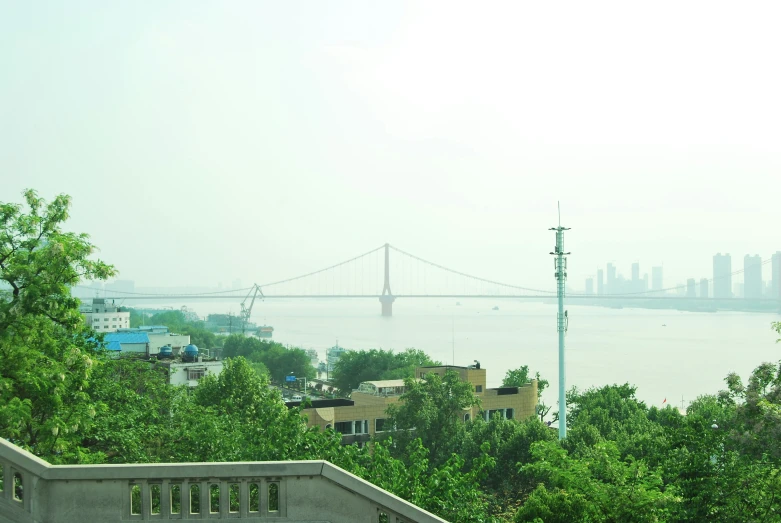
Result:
pixel 665 353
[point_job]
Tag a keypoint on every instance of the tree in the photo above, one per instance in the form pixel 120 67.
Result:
pixel 46 351
pixel 432 409
pixel 355 367
pixel 39 262
pixel 520 377
pixel 134 410
pixel 598 486
pixel 449 490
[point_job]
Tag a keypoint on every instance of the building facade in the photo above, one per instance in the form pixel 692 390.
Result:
pixel 657 282
pixel 600 282
pixel 160 336
pixel 775 280
pixel 105 317
pixel 190 373
pixel 691 288
pixel 752 277
pixel 722 276
pixel 704 287
pixel 365 413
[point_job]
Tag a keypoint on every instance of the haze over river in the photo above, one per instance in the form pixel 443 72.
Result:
pixel 688 357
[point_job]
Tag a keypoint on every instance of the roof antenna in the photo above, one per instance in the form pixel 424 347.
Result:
pixel 559 206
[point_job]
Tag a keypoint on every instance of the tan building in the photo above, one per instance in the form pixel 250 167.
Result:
pixel 364 415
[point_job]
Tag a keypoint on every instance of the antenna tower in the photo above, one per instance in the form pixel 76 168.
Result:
pixel 560 263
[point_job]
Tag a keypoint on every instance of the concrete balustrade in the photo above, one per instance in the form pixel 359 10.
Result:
pixel 312 491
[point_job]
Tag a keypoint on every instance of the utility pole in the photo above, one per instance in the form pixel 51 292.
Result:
pixel 560 262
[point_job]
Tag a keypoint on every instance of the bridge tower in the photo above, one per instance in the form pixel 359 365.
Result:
pixel 387 298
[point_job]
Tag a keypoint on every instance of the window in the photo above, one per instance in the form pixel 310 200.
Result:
pixel 195 499
pixel 254 497
pixel 195 374
pixel 379 425
pixel 214 498
pixel 273 497
pixel 155 493
pixel 362 427
pixel 176 498
pixel 503 413
pixel 467 417
pixel 478 388
pixel 135 499
pixel 233 497
pixel 345 427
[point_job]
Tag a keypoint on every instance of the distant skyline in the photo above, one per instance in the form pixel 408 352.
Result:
pixel 217 141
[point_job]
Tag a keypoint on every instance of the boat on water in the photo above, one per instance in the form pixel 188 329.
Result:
pixel 265 331
pixel 495 308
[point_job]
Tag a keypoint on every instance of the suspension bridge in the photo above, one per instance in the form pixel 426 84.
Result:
pixel 388 273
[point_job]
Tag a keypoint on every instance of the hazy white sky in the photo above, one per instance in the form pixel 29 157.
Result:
pixel 213 141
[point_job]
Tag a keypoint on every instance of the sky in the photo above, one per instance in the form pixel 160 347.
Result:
pixel 207 142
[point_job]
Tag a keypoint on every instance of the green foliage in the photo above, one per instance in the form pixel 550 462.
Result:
pixel 432 410
pixel 39 262
pixel 520 377
pixel 448 490
pixel 278 360
pixel 355 367
pixel 177 322
pixel 134 403
pixel 597 486
pixel 45 350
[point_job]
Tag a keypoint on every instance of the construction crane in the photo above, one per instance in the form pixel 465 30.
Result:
pixel 246 311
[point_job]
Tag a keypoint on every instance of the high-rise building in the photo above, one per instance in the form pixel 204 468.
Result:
pixel 611 279
pixel 722 276
pixel 635 277
pixel 752 277
pixel 775 280
pixel 600 282
pixel 589 285
pixel 657 283
pixel 691 288
pixel 704 288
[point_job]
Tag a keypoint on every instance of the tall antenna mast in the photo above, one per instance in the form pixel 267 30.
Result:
pixel 453 338
pixel 560 263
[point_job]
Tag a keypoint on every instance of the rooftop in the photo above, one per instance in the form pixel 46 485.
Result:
pixel 127 337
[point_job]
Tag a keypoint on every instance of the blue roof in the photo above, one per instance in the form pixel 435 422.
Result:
pixel 127 337
pixel 113 345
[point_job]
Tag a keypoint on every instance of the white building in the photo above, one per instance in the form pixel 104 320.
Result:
pixel 181 373
pixel 159 336
pixel 105 317
pixel 136 343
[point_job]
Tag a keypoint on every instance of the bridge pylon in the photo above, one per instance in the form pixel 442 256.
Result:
pixel 387 298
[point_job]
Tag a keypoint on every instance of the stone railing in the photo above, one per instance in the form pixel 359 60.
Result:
pixel 31 490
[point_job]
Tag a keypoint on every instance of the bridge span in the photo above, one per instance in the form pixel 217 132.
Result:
pixel 375 273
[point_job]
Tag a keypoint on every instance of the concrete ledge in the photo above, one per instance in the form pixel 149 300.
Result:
pixel 382 497
pixel 184 470
pixel 304 491
pixel 23 459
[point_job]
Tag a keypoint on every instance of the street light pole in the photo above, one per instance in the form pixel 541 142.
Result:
pixel 560 263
